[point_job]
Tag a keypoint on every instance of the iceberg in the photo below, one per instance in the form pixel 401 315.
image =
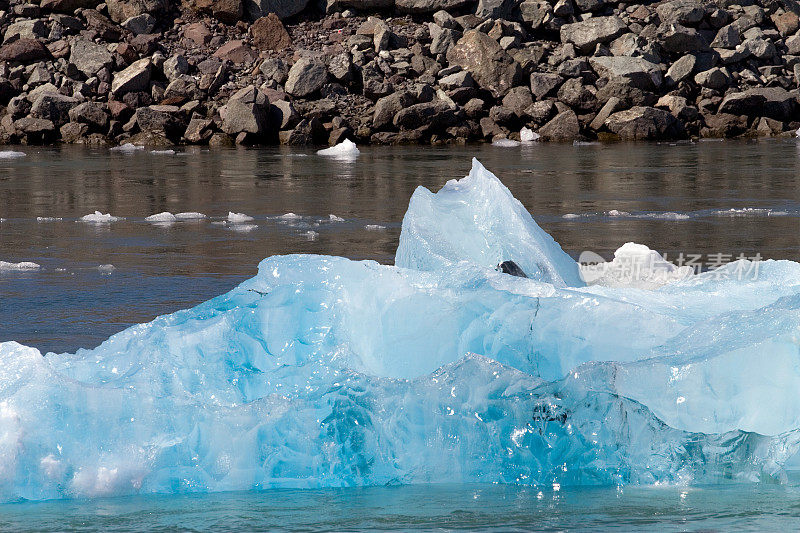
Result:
pixel 162 218
pixel 322 371
pixel 238 218
pixel 99 218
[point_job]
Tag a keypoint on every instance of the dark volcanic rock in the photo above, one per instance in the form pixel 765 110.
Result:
pixel 24 51
pixel 491 66
pixel 642 123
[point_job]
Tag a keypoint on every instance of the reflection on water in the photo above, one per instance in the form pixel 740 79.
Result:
pixel 669 196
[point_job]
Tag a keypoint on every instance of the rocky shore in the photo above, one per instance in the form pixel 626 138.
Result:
pixel 298 72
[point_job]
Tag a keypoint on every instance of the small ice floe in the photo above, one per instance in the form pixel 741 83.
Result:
pixel 99 218
pixel 242 227
pixel 570 216
pixel 334 218
pixel 238 218
pixel 106 269
pixel 162 152
pixel 346 149
pixel 527 135
pixel 374 227
pixel 289 216
pixel 190 215
pixel 10 154
pixel 615 213
pixel 127 148
pixel 49 219
pixel 797 133
pixel 505 143
pixel 165 217
pixel 311 235
pixel 24 266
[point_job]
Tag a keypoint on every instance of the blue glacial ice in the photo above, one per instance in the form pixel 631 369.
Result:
pixel 321 371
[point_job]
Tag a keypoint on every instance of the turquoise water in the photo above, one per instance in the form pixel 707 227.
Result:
pixel 427 508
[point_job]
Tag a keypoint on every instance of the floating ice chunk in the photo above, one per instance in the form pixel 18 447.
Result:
pixel 238 218
pixel 616 213
pixel 634 265
pixel 166 216
pixel 244 228
pixel 505 143
pixel 289 216
pixel 334 218
pixel 346 149
pixel 374 227
pixel 476 219
pixel 19 267
pixel 106 269
pixel 162 152
pixel 570 216
pixel 311 235
pixel 797 133
pixel 10 154
pixel 99 218
pixel 527 135
pixel 49 219
pixel 127 148
pixel 190 215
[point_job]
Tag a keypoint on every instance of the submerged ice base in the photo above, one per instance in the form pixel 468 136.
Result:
pixel 321 371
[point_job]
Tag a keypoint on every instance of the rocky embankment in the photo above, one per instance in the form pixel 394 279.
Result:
pixel 296 72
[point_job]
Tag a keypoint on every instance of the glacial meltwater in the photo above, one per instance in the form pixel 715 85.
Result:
pixel 274 339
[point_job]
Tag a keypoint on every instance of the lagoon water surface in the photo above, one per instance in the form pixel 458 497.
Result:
pixel 95 279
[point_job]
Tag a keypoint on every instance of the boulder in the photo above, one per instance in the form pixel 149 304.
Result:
pixel 727 37
pixel 228 11
pixel 688 12
pixel 679 39
pixel 284 114
pixel 715 78
pixel 24 51
pixel 67 6
pixel 535 13
pixel 144 23
pixel 436 115
pixel 26 29
pixel 306 77
pixel 642 123
pixel 587 34
pixel 256 9
pixel 387 107
pixel 495 9
pixel 641 73
pixel 236 52
pixel 246 111
pixel 89 57
pixel 543 83
pixel 492 67
pixel 106 30
pixel 268 33
pixel 92 114
pixel 563 127
pixel 135 78
pixel 162 119
pixel 121 10
pixel 175 67
pixel 680 70
pixel 429 6
pixel 198 33
pixel 53 107
pixel 772 102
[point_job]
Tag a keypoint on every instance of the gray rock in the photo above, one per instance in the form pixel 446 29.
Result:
pixel 140 24
pixel 121 10
pixel 679 39
pixel 492 67
pixel 246 111
pixel 772 102
pixel 54 107
pixel 275 69
pixel 680 70
pixel 282 8
pixel 613 104
pixel 495 9
pixel 562 127
pixel 175 66
pixel 91 113
pixel 341 67
pixel 436 114
pixel 642 123
pixel 442 39
pixel 715 78
pixel 159 119
pixel 727 37
pixel 445 20
pixel 284 115
pixel 135 78
pixel 518 100
pixel 760 48
pixel 577 95
pixel 90 57
pixel 199 130
pixel 429 6
pixel 641 73
pixel 536 13
pixel 457 81
pixel 26 29
pixel 543 83
pixel 387 107
pixel 306 77
pixel 587 34
pixel 182 88
pixel 688 12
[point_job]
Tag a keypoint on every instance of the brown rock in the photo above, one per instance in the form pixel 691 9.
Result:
pixel 269 34
pixel 198 33
pixel 563 127
pixel 24 51
pixel 67 6
pixel 59 49
pixel 228 11
pixel 492 67
pixel 236 52
pixel 787 23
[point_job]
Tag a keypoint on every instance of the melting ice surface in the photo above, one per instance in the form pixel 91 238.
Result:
pixel 322 371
